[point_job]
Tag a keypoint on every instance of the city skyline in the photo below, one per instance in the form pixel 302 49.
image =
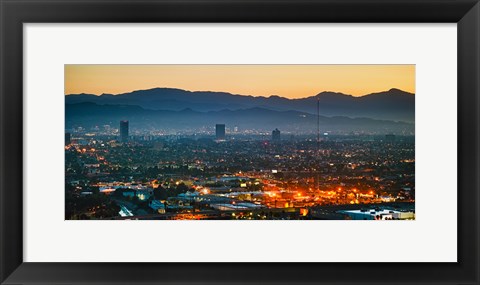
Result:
pixel 160 177
pixel 172 154
pixel 289 81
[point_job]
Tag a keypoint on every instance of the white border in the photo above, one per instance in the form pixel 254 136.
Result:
pixel 431 237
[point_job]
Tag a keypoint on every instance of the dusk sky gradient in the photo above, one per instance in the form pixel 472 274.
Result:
pixel 291 81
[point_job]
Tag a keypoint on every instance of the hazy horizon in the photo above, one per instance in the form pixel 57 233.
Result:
pixel 288 81
pixel 260 96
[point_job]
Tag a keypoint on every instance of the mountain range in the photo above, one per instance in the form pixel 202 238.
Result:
pixel 393 105
pixel 89 115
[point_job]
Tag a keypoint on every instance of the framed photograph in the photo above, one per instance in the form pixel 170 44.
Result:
pixel 239 142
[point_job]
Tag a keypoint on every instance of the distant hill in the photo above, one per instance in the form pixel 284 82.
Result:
pixel 394 104
pixel 91 114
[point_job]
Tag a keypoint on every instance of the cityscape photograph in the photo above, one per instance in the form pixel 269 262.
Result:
pixel 239 142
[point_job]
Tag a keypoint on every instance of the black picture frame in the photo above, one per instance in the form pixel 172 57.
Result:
pixel 466 13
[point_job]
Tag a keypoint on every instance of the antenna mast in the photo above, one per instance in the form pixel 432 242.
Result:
pixel 317 182
pixel 318 124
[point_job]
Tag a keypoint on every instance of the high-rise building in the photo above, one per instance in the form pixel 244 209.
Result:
pixel 68 138
pixel 389 138
pixel 220 131
pixel 276 135
pixel 325 136
pixel 123 131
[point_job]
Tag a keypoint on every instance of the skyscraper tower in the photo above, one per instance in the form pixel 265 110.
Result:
pixel 318 124
pixel 390 138
pixel 220 131
pixel 123 131
pixel 276 135
pixel 68 138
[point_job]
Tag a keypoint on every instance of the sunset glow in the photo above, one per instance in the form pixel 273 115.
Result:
pixel 291 81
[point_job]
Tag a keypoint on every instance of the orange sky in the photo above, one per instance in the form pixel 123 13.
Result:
pixel 291 81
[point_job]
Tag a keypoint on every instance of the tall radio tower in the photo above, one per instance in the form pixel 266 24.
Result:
pixel 318 124
pixel 317 178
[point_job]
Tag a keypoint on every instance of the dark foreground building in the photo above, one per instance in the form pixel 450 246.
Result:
pixel 276 135
pixel 68 138
pixel 390 138
pixel 220 131
pixel 124 131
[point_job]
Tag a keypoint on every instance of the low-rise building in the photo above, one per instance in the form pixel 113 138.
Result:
pixel 157 206
pixel 376 214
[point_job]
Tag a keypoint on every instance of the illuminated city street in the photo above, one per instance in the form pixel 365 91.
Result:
pixel 240 178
